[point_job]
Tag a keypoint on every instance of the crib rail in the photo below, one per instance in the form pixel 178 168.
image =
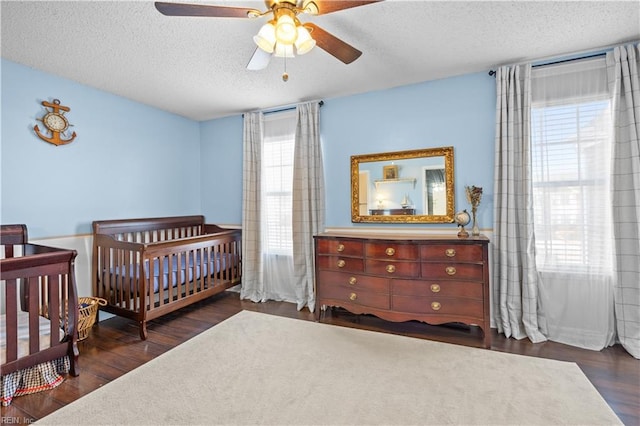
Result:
pixel 152 229
pixel 39 280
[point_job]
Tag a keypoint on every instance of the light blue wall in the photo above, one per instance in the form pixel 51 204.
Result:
pixel 131 160
pixel 128 160
pixel 458 112
pixel 221 164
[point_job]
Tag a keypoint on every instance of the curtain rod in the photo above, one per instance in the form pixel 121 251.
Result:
pixel 284 108
pixel 561 61
pixel 584 54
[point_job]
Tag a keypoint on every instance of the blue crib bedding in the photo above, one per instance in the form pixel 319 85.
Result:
pixel 170 272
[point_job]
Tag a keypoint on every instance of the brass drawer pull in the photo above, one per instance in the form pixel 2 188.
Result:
pixel 341 263
pixel 436 306
pixel 450 270
pixel 390 251
pixel 353 296
pixel 391 269
pixel 450 252
pixel 340 248
pixel 353 280
pixel 435 288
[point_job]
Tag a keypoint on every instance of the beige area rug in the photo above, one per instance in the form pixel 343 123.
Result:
pixel 267 370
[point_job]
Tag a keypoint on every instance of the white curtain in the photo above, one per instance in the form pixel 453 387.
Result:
pixel 515 279
pixel 567 234
pixel 283 205
pixel 308 201
pixel 277 186
pixel 571 139
pixel 624 84
pixel 252 271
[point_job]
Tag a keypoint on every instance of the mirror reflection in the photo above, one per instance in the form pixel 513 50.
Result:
pixel 405 186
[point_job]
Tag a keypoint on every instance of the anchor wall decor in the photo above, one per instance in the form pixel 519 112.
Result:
pixel 55 121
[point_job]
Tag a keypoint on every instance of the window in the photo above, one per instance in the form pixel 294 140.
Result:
pixel 571 156
pixel 277 178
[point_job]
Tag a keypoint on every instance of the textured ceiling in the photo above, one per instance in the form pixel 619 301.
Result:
pixel 195 67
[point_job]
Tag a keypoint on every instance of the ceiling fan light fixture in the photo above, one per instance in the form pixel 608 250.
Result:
pixel 284 50
pixel 304 43
pixel 286 29
pixel 266 37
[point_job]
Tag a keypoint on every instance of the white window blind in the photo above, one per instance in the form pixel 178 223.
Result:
pixel 571 146
pixel 277 181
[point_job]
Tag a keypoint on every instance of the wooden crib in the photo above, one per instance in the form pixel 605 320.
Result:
pixel 146 268
pixel 39 323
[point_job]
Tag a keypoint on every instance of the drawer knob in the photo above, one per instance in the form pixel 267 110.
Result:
pixel 436 306
pixel 340 248
pixel 390 251
pixel 341 263
pixel 450 252
pixel 353 296
pixel 450 270
pixel 391 269
pixel 353 280
pixel 435 288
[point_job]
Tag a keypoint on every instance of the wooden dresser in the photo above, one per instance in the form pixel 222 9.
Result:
pixel 434 279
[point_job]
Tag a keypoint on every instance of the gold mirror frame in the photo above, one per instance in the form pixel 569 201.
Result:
pixel 392 157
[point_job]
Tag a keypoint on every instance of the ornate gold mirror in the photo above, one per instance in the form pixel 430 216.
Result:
pixel 404 186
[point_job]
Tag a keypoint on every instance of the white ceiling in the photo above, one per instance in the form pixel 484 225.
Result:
pixel 195 67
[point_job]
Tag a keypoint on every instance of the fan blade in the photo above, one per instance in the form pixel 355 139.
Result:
pixel 332 44
pixel 259 60
pixel 328 6
pixel 182 9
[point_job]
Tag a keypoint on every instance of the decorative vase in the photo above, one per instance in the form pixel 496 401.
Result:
pixel 475 230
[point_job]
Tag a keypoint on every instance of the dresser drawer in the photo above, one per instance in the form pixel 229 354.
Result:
pixel 438 306
pixel 338 263
pixel 452 271
pixel 393 268
pixel 433 288
pixel 340 247
pixel 392 251
pixel 452 252
pixel 355 297
pixel 352 281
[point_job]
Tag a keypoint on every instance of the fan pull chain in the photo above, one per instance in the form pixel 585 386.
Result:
pixel 285 76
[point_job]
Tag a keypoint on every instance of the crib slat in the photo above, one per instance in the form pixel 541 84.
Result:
pixel 34 324
pixel 203 272
pixel 178 282
pixel 11 312
pixel 55 309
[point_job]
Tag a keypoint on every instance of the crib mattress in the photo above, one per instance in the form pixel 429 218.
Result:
pixel 171 271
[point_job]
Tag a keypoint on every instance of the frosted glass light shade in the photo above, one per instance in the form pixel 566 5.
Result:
pixel 266 37
pixel 286 31
pixel 304 42
pixel 284 50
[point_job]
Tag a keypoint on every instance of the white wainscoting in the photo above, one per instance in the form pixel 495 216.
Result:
pixel 83 245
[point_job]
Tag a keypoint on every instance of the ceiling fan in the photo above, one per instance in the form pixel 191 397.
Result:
pixel 283 35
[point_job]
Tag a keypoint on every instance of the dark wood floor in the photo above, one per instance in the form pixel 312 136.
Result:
pixel 114 348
